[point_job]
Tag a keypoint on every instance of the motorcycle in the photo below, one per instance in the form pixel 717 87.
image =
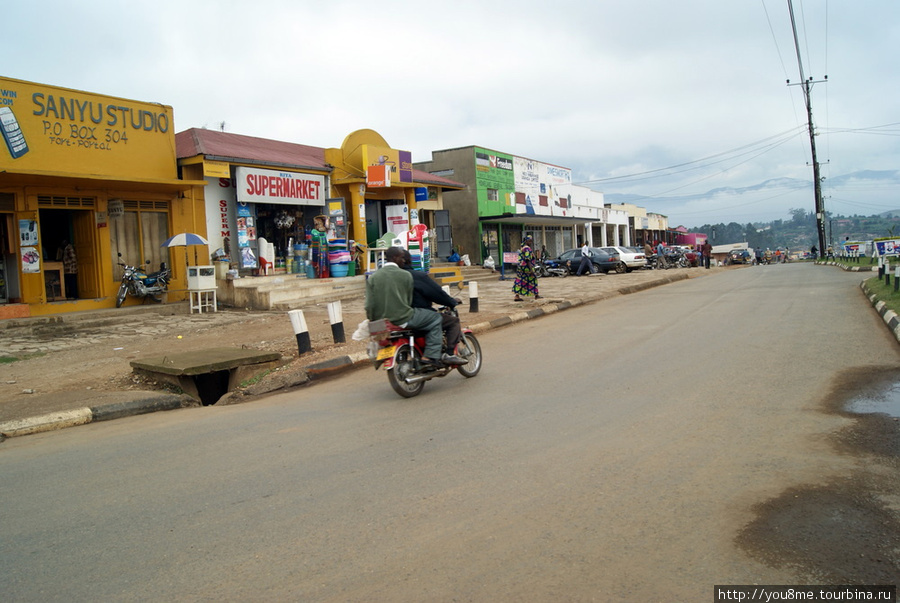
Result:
pixel 137 283
pixel 544 267
pixel 399 351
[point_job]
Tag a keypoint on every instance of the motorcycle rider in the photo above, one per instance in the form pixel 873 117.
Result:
pixel 425 292
pixel 389 293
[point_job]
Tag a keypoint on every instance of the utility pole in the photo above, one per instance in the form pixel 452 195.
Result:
pixel 817 180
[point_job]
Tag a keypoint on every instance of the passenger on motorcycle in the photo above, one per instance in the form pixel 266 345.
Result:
pixel 389 293
pixel 425 292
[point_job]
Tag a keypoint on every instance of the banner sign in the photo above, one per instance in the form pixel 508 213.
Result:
pixel 46 128
pixel 287 188
pixel 378 176
pixel 888 247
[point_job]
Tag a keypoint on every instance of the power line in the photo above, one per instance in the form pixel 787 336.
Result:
pixel 748 147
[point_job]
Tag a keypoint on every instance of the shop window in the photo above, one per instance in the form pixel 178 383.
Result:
pixel 493 194
pixel 137 235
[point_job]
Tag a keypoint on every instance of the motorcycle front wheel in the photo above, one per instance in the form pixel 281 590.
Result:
pixel 470 349
pixel 120 296
pixel 404 366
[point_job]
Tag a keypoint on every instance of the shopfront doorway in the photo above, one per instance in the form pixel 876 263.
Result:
pixel 59 228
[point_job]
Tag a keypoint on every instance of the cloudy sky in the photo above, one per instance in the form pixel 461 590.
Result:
pixel 681 107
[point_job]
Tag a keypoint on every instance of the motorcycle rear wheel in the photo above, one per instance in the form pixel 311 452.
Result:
pixel 404 366
pixel 468 343
pixel 120 296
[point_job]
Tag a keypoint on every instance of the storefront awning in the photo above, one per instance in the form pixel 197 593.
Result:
pixel 535 220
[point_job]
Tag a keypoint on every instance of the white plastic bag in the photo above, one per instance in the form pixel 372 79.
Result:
pixel 465 260
pixel 489 263
pixel 362 331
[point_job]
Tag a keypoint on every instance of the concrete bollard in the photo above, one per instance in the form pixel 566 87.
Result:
pixel 336 318
pixel 298 322
pixel 897 279
pixel 473 296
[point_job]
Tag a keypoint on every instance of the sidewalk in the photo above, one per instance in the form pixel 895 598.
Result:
pixel 81 372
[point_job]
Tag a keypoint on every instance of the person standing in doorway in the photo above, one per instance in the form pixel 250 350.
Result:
pixel 70 268
pixel 526 279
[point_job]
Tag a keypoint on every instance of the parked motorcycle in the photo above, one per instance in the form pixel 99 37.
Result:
pixel 400 350
pixel 137 283
pixel 544 268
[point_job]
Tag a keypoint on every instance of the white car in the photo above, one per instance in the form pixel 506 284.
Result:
pixel 631 257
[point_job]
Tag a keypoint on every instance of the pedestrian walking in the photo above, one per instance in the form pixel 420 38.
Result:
pixel 526 279
pixel 586 263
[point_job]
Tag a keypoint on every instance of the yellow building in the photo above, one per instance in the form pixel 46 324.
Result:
pixel 384 193
pixel 98 172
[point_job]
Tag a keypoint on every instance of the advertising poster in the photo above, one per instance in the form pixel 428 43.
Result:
pixel 31 260
pixel 397 218
pixel 28 233
pixel 888 247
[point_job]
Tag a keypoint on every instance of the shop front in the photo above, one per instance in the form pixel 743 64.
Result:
pixel 385 199
pixel 83 179
pixel 262 198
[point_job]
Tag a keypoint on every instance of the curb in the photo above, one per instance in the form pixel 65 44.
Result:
pixel 317 371
pixel 82 416
pixel 889 317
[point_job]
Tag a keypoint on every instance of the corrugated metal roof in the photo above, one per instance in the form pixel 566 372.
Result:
pixel 225 146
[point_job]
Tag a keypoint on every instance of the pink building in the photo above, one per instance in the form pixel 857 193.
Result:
pixel 692 239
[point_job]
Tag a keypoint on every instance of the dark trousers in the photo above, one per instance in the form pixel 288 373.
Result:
pixel 706 261
pixel 71 285
pixel 451 327
pixel 585 265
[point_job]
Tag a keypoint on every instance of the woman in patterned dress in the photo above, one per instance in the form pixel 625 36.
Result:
pixel 526 280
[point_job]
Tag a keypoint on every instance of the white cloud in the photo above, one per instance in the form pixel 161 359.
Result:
pixel 606 88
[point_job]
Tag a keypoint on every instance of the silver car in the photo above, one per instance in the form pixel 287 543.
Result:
pixel 630 258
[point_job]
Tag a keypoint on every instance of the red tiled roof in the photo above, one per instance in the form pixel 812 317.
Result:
pixel 226 146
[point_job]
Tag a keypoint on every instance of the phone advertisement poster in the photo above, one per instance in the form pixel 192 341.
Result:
pixel 31 260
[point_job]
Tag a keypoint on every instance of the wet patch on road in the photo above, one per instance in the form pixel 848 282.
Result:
pixel 839 533
pixel 848 530
pixel 868 396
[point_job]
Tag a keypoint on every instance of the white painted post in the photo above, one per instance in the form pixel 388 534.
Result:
pixel 298 322
pixel 473 296
pixel 336 318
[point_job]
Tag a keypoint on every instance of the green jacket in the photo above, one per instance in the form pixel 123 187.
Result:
pixel 389 293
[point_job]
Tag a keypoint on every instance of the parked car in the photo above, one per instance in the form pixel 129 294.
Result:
pixel 602 261
pixel 739 256
pixel 631 257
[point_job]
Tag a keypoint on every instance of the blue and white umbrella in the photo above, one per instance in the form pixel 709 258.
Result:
pixel 185 239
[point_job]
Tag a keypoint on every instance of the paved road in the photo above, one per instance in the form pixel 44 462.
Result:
pixel 616 453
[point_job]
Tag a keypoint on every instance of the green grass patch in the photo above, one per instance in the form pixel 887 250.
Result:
pixel 8 359
pixel 254 380
pixel 884 292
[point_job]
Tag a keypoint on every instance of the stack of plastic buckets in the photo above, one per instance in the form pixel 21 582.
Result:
pixel 338 257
